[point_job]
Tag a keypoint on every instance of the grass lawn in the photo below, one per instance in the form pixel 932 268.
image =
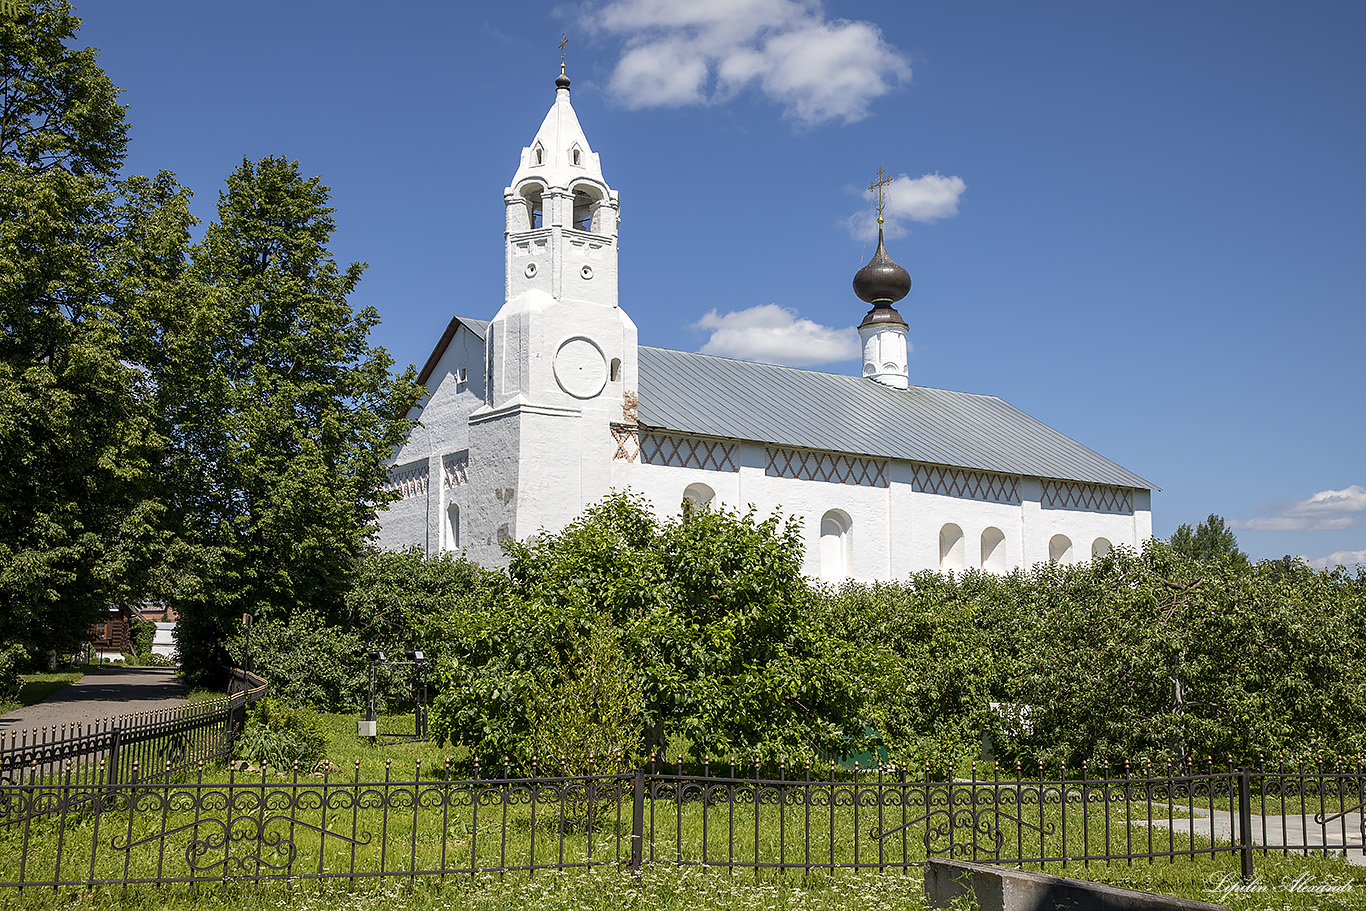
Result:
pixel 408 836
pixel 37 687
pixel 1283 884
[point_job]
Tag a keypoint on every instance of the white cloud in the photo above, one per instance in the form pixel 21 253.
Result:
pixel 1347 558
pixel 927 198
pixel 776 335
pixel 706 51
pixel 1327 510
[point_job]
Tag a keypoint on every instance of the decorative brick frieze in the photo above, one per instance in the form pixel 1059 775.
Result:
pixel 455 469
pixel 627 438
pixel 407 481
pixel 806 465
pixel 1095 497
pixel 969 485
pixel 674 451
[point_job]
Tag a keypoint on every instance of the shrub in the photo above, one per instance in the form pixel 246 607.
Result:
pixel 11 657
pixel 709 609
pixel 276 735
pixel 142 632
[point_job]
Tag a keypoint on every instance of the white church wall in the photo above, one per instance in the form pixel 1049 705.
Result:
pixel 455 390
pixel 932 512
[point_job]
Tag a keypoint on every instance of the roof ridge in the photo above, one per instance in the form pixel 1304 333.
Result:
pixel 843 376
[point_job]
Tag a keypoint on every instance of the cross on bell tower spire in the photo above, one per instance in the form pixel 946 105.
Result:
pixel 562 81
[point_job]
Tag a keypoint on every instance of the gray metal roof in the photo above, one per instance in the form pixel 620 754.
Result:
pixel 716 396
pixel 480 327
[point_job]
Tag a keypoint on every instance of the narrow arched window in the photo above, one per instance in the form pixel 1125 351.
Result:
pixel 1060 549
pixel 578 157
pixel 534 206
pixel 616 370
pixel 453 527
pixel 951 555
pixel 1100 548
pixel 540 155
pixel 836 547
pixel 994 550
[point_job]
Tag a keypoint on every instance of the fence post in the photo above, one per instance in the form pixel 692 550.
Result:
pixel 113 776
pixel 638 822
pixel 1245 822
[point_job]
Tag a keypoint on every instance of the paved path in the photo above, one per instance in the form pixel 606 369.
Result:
pixel 103 693
pixel 1298 830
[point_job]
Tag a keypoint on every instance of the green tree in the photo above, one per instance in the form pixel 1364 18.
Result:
pixel 81 519
pixel 1210 540
pixel 709 609
pixel 281 413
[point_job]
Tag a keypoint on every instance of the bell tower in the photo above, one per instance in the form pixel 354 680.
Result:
pixel 561 214
pixel 561 355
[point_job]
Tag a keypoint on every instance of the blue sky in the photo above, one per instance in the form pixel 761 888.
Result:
pixel 1144 224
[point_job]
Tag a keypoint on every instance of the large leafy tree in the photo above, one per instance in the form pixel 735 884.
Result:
pixel 710 622
pixel 281 413
pixel 80 516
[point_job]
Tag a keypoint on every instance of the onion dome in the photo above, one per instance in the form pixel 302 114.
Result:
pixel 882 280
pixel 562 81
pixel 882 283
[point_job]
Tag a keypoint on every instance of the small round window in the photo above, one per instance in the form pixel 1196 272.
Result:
pixel 586 272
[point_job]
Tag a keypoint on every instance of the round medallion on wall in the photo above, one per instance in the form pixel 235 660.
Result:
pixel 580 368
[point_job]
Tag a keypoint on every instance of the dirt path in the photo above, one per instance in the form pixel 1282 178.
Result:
pixel 103 693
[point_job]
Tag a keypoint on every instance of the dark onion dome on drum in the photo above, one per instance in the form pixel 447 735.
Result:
pixel 562 81
pixel 882 283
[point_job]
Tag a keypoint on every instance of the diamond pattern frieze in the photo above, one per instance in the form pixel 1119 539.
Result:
pixel 806 465
pixel 689 452
pixel 969 485
pixel 1095 497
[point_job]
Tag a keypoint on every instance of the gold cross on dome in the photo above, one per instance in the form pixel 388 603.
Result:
pixel 564 39
pixel 876 187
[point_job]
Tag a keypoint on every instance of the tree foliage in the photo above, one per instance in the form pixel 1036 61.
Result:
pixel 1146 656
pixel 81 512
pixel 709 609
pixel 1210 540
pixel 281 414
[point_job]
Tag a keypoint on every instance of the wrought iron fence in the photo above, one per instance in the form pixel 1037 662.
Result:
pixel 160 743
pixel 300 825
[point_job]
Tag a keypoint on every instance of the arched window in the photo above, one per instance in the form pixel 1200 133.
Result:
pixel 1060 549
pixel 1100 548
pixel 534 208
pixel 539 154
pixel 616 370
pixel 453 527
pixel 951 548
pixel 585 206
pixel 699 495
pixel 835 545
pixel 994 550
pixel 576 157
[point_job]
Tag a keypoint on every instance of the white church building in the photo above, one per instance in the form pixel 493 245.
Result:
pixel 544 409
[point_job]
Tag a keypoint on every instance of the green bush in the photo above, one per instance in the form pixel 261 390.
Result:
pixel 142 632
pixel 278 736
pixel 11 658
pixel 710 611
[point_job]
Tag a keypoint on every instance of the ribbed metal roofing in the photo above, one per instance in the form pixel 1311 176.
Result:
pixel 716 396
